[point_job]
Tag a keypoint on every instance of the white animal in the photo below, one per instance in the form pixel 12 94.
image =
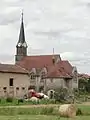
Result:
pixel 34 99
pixel 44 96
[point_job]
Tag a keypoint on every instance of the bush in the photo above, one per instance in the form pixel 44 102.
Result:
pixel 79 112
pixel 9 99
pixel 61 95
pixel 20 101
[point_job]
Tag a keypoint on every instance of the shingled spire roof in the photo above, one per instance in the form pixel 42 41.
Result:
pixel 22 35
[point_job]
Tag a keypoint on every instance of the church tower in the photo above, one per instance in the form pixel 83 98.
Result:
pixel 21 47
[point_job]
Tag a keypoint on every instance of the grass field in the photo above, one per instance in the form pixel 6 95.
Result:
pixel 41 117
pixel 37 112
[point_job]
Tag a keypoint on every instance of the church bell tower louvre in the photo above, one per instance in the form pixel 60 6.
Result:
pixel 21 47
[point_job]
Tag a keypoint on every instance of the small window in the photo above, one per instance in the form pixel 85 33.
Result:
pixel 4 88
pixel 17 88
pixel 23 88
pixel 33 76
pixel 11 82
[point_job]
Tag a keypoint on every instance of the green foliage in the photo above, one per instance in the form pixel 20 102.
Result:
pixel 84 85
pixel 9 99
pixel 88 86
pixel 62 95
pixel 79 112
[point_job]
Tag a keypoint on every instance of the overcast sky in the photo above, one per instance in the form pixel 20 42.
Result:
pixel 60 24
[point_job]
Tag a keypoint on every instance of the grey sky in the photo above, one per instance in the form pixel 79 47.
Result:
pixel 60 24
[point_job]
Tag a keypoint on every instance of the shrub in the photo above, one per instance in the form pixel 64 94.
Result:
pixel 61 95
pixel 20 101
pixel 9 99
pixel 79 112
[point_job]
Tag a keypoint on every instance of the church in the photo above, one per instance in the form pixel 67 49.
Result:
pixel 41 72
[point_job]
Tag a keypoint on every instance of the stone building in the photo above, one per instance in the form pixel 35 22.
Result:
pixel 46 71
pixel 42 72
pixel 14 80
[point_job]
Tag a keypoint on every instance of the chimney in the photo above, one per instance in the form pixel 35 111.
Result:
pixel 53 58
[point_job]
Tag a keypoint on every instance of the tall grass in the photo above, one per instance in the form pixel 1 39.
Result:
pixel 14 102
pixel 28 111
pixel 10 111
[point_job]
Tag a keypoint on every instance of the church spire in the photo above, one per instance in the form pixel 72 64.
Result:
pixel 22 34
pixel 21 47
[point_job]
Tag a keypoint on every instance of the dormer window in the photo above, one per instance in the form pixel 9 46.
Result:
pixel 32 76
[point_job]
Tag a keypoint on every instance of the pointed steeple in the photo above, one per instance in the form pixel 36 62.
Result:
pixel 21 47
pixel 22 35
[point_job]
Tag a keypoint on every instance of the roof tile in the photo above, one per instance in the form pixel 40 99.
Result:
pixel 10 68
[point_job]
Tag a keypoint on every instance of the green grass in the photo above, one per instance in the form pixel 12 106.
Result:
pixel 39 110
pixel 3 102
pixel 39 113
pixel 28 111
pixel 44 110
pixel 41 117
pixel 85 109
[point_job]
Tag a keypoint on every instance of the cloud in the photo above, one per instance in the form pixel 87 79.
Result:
pixel 9 59
pixel 62 25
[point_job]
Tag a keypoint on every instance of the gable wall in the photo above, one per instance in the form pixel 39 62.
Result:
pixel 19 80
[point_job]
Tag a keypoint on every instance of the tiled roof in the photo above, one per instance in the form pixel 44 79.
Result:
pixel 84 76
pixel 67 66
pixel 9 68
pixel 41 61
pixel 61 69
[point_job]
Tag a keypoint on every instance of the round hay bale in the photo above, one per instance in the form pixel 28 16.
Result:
pixel 67 110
